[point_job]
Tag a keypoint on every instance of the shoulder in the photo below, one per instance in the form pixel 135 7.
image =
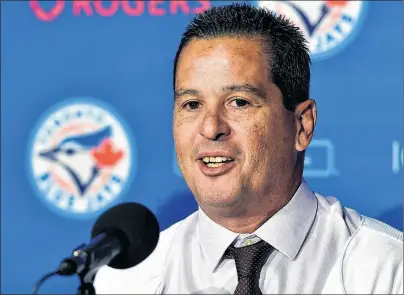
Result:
pixel 371 258
pixel 381 237
pixel 144 278
pixel 374 248
pixel 372 261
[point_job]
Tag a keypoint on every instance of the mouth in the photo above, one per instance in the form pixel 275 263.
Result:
pixel 214 162
pixel 213 166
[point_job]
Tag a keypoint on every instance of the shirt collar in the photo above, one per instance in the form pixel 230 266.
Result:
pixel 214 238
pixel 285 231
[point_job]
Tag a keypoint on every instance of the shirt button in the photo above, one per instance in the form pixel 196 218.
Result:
pixel 248 242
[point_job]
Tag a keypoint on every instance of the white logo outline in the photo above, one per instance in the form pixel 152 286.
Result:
pixel 346 40
pixel 130 149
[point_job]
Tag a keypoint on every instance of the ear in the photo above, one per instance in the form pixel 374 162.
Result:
pixel 306 117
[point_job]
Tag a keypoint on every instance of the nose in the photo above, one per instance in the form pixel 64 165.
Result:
pixel 214 126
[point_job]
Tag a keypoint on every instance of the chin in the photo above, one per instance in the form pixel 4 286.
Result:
pixel 221 198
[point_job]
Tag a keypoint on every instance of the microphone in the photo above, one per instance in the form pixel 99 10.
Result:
pixel 122 237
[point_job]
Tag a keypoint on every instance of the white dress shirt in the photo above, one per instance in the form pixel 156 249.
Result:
pixel 320 248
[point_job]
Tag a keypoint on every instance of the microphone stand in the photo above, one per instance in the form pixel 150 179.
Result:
pixel 86 275
pixel 86 282
pixel 85 253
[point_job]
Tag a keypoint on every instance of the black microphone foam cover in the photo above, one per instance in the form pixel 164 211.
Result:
pixel 136 227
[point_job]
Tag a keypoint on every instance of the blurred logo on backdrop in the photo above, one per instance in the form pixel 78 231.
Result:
pixel 81 158
pixel 319 160
pixel 50 10
pixel 397 157
pixel 329 26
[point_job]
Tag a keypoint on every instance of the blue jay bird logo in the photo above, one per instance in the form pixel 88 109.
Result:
pixel 327 25
pixel 81 159
pixel 77 155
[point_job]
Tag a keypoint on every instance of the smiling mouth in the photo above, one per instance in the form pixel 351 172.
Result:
pixel 214 162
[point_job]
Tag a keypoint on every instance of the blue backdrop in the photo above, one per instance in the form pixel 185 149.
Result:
pixel 86 91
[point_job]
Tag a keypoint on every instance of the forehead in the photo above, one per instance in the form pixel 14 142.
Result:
pixel 223 60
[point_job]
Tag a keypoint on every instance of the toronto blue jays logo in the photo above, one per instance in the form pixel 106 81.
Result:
pixel 81 159
pixel 328 25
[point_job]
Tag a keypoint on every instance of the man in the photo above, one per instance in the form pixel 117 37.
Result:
pixel 242 121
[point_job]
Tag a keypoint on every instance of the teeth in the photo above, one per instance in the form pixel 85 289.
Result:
pixel 215 160
pixel 213 165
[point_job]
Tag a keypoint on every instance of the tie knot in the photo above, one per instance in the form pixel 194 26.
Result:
pixel 250 259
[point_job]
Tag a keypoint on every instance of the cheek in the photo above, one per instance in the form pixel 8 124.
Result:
pixel 259 146
pixel 267 145
pixel 183 133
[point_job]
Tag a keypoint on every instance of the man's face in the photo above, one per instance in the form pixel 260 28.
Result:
pixel 234 139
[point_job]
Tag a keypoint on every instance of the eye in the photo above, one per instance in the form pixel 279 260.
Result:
pixel 192 105
pixel 70 152
pixel 240 103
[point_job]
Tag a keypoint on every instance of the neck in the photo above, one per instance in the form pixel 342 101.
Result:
pixel 247 219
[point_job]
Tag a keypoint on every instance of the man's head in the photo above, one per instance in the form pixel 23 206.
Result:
pixel 241 81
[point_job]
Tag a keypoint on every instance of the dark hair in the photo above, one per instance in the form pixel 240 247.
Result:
pixel 289 59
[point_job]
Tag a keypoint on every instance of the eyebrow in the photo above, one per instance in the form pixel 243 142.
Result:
pixel 246 88
pixel 182 92
pixel 236 87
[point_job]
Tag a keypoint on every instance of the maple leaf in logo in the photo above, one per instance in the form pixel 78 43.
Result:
pixel 332 3
pixel 106 155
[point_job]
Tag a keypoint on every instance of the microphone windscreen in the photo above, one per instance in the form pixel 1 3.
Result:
pixel 137 229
